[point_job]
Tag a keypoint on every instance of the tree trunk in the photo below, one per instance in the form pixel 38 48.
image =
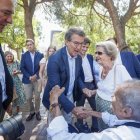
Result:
pixel 118 24
pixel 28 23
pixel 29 8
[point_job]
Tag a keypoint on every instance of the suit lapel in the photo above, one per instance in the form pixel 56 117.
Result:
pixel 76 66
pixel 65 59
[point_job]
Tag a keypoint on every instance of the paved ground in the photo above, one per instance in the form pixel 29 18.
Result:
pixel 36 130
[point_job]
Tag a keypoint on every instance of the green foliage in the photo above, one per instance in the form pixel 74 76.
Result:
pixel 132 33
pixel 97 27
pixel 14 35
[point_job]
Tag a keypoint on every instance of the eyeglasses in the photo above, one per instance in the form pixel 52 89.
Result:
pixel 29 44
pixel 99 53
pixel 77 43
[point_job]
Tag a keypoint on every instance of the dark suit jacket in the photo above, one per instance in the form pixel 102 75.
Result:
pixel 90 59
pixel 9 85
pixel 131 63
pixel 26 66
pixel 138 56
pixel 58 74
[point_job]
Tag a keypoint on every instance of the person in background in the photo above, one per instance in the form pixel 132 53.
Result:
pixel 125 104
pixel 30 68
pixel 43 65
pixel 110 77
pixel 19 98
pixel 129 60
pixel 6 82
pixel 88 77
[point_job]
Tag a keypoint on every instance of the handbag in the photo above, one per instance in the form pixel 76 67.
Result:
pixel 12 128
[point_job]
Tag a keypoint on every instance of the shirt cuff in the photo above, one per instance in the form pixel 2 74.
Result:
pixel 57 125
pixel 106 117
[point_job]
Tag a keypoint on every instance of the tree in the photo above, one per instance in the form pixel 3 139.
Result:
pixel 116 12
pixel 119 21
pixel 29 7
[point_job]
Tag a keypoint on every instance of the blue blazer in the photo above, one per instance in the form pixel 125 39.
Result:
pixel 138 56
pixel 9 85
pixel 58 74
pixel 90 59
pixel 131 63
pixel 26 66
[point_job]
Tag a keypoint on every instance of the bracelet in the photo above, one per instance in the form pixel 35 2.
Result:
pixel 52 106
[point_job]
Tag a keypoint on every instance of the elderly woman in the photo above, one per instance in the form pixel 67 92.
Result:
pixel 19 98
pixel 111 75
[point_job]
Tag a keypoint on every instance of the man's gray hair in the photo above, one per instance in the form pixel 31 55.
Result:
pixel 109 47
pixel 72 31
pixel 129 95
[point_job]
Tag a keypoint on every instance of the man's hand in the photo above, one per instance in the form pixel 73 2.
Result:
pixel 80 112
pixel 33 78
pixel 55 93
pixel 89 93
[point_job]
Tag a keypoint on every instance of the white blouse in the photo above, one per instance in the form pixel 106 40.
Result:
pixel 106 87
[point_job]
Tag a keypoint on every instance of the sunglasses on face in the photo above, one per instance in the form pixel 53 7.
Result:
pixel 99 53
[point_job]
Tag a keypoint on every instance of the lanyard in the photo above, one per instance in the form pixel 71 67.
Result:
pixel 133 124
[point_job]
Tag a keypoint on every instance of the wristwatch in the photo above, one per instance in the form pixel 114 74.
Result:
pixel 52 106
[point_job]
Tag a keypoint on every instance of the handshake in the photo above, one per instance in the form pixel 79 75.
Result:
pixel 79 112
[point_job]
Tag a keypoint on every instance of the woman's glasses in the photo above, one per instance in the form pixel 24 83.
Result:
pixel 99 53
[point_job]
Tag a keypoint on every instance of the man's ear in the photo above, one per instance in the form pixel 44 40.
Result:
pixel 127 112
pixel 66 42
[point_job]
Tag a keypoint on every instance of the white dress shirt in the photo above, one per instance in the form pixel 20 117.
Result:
pixel 2 80
pixel 87 69
pixel 71 62
pixel 32 58
pixel 112 120
pixel 58 130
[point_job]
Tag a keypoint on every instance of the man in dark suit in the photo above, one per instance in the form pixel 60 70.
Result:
pixel 88 76
pixel 138 56
pixel 64 69
pixel 6 83
pixel 129 60
pixel 30 69
pixel 131 63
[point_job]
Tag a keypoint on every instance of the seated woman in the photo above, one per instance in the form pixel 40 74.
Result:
pixel 19 96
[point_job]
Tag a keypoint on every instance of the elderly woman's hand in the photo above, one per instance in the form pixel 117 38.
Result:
pixel 55 93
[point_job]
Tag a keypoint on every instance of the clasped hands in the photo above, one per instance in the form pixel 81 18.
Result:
pixel 79 112
pixel 89 93
pixel 33 78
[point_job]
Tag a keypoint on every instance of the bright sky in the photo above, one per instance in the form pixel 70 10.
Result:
pixel 47 27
